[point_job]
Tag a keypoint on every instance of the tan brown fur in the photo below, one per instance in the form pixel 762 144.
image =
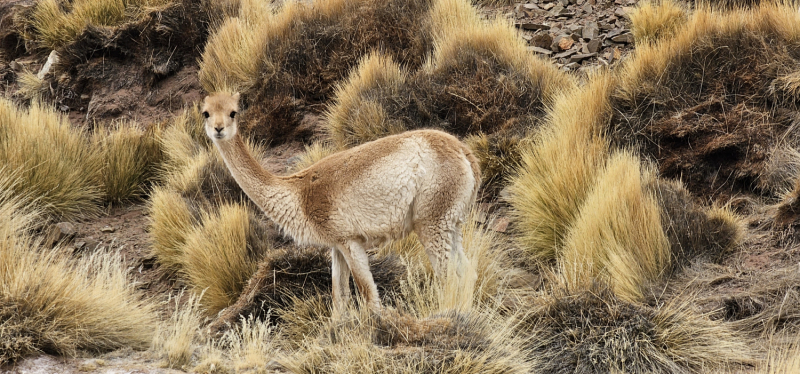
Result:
pixel 423 181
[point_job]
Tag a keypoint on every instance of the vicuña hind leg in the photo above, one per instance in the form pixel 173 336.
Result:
pixel 450 264
pixel 340 272
pixel 357 259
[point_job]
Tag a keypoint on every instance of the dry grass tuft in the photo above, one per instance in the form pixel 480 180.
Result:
pixel 312 154
pixel 56 23
pixel 31 87
pixel 617 236
pixel 247 348
pixel 52 303
pixel 546 194
pixel 657 20
pixel 231 61
pixel 756 301
pixel 289 62
pixel 221 243
pixel 55 164
pixel 171 220
pixel 480 80
pixel 130 157
pixel 444 342
pixel 713 116
pixel 593 331
pixel 177 338
pixel 606 217
pixel 783 359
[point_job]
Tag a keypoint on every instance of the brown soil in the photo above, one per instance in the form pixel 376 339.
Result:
pixel 144 70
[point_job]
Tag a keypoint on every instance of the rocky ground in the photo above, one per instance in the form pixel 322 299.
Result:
pixel 575 34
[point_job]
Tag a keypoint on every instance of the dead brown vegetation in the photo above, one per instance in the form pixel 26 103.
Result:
pixel 594 331
pixel 713 116
pixel 115 57
pixel 760 302
pixel 310 46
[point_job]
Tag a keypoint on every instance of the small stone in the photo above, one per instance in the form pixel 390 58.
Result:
pixel 564 3
pixel 541 51
pixel 605 26
pixel 590 31
pixel 500 224
pixel 79 245
pixel 587 8
pixel 107 228
pixel 543 40
pixel 548 6
pixel 91 244
pixel 531 7
pixel 622 12
pixel 614 33
pixel 575 36
pixel 85 97
pixel 533 26
pixel 581 56
pixel 59 233
pixel 624 38
pixel 557 9
pixel 505 194
pixel 16 66
pixel 63 108
pixel 565 54
pixel 571 66
pixel 593 46
pixel 565 43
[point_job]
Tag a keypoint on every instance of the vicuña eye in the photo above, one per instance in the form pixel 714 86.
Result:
pixel 233 114
pixel 205 114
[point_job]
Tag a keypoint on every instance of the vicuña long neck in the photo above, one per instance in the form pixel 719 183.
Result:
pixel 274 197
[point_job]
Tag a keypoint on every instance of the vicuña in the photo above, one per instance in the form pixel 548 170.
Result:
pixel 423 181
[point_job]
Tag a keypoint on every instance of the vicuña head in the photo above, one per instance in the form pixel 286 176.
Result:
pixel 423 181
pixel 220 113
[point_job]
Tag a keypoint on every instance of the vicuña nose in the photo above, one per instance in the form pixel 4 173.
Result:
pixel 219 129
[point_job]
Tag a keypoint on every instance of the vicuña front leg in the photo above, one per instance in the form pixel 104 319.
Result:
pixel 357 258
pixel 340 272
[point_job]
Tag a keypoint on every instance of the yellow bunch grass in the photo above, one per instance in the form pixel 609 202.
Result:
pixel 559 170
pixel 31 86
pixel 216 259
pixel 232 58
pixel 170 222
pixel 130 157
pixel 656 20
pixel 618 236
pixel 55 164
pixel 458 27
pixel 177 338
pixel 245 348
pixel 49 301
pixel 355 119
pixel 57 23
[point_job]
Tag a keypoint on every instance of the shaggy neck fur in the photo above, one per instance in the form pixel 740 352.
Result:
pixel 271 193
